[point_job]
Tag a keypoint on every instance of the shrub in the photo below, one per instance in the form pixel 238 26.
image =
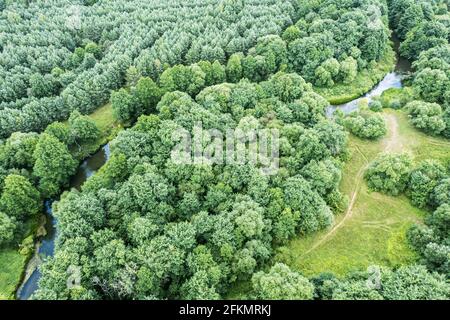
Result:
pixel 366 125
pixel 389 173
pixel 375 106
pixel 7 228
pixel 422 182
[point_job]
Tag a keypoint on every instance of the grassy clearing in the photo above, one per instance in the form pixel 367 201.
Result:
pixel 375 231
pixel 421 145
pixel 104 120
pixel 13 261
pixel 11 265
pixel 365 80
pixel 396 97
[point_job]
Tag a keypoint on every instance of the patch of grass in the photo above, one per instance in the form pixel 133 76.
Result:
pixel 398 250
pixel 365 80
pixel 421 145
pixel 108 127
pixel 12 263
pixel 375 231
pixel 13 260
pixel 103 118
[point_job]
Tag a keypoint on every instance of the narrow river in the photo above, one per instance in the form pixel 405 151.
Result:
pixel 46 246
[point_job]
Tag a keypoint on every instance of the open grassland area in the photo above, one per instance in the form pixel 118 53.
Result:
pixel 372 230
pixel 11 265
pixel 365 80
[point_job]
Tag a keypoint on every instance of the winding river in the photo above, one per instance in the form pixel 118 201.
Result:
pixel 46 246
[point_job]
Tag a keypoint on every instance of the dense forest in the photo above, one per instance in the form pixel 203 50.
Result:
pixel 146 227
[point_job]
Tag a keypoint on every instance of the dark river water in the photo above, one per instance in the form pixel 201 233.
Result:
pixel 47 244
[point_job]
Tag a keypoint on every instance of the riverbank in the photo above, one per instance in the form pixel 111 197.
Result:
pixel 18 264
pixel 373 228
pixel 12 264
pixel 14 260
pixel 45 245
pixel 364 82
pixel 109 128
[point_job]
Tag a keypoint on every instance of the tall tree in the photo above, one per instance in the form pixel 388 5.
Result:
pixel 54 164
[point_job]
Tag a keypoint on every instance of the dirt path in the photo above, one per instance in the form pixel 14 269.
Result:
pixel 392 143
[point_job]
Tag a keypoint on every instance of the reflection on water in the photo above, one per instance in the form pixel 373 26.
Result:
pixel 403 65
pixel 89 167
pixel 391 80
pixel 47 245
pixel 46 248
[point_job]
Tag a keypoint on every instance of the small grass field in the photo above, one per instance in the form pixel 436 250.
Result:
pixel 373 230
pixel 13 263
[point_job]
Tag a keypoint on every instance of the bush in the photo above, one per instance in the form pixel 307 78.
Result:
pixel 396 105
pixel 396 98
pixel 426 116
pixel 375 106
pixel 389 173
pixel 82 128
pixel 7 228
pixel 366 125
pixel 441 193
pixel 60 131
pixel 414 283
pixel 19 199
pixel 440 221
pixel 280 283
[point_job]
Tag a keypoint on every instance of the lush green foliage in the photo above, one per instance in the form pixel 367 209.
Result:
pixel 59 56
pixel 332 48
pixel 367 125
pixel 18 202
pixel 280 283
pixel 389 173
pixel 429 186
pixel 424 27
pixel 406 283
pixel 53 166
pixel 36 166
pixel 215 220
pixel 146 227
pixel 422 182
pixel 426 116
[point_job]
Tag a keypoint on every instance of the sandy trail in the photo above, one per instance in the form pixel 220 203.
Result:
pixel 392 143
